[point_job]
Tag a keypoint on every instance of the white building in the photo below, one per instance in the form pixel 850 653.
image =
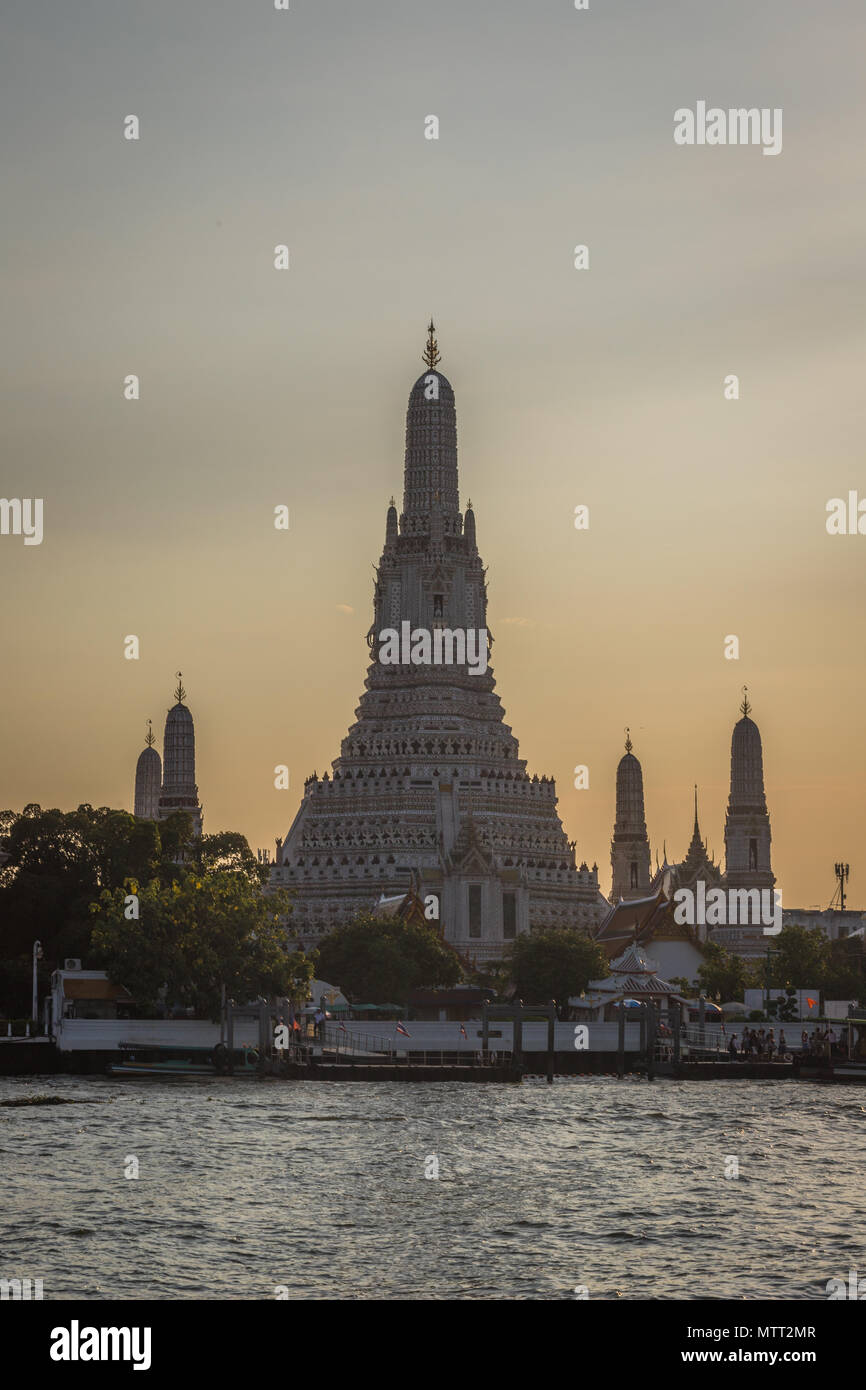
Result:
pixel 429 788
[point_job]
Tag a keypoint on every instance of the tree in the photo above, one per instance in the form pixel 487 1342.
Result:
pixel 721 974
pixel 682 985
pixel 229 850
pixel 193 937
pixel 554 964
pixel 378 961
pixel 59 862
pixel 845 974
pixel 801 959
pixel 784 1007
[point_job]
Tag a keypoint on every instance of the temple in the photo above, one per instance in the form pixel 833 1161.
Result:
pixel 160 790
pixel 629 850
pixel 148 779
pixel 429 793
pixel 642 905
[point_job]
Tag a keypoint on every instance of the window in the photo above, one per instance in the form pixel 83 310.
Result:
pixel 475 909
pixel 509 916
pixel 753 854
pixel 437 605
pixel 633 874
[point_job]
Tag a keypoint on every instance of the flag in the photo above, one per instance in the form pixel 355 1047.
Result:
pixel 463 1032
pixel 343 1026
pixel 813 1003
pixel 404 1031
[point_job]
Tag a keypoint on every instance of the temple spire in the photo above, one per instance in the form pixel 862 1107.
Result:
pixel 430 356
pixel 150 736
pixel 745 707
pixel 180 693
pixel 697 830
pixel 630 858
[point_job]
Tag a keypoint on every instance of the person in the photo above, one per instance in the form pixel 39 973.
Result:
pixel 783 1045
pixel 319 1020
pixel 771 1044
pixel 747 1043
pixel 732 1047
pixel 804 1041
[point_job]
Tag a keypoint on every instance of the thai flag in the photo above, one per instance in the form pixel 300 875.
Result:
pixel 343 1026
pixel 404 1031
pixel 463 1032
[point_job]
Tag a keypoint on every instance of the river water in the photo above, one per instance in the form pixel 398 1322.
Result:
pixel 614 1186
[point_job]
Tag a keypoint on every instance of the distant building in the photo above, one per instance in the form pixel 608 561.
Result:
pixel 629 849
pixel 633 976
pixel 148 779
pixel 86 994
pixel 747 825
pixel 648 923
pixel 747 860
pixel 163 788
pixel 429 788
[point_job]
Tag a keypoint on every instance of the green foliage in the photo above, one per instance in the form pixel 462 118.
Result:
pixel 800 957
pixel 554 964
pixel 721 975
pixel 682 985
pixel 494 975
pixel 60 862
pixel 194 936
pixel 229 850
pixel 378 961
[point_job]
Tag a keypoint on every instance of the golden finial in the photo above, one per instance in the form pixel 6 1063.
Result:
pixel 745 706
pixel 430 355
pixel 628 743
pixel 150 737
pixel 180 693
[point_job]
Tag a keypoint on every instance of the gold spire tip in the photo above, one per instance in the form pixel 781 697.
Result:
pixel 745 706
pixel 180 693
pixel 628 743
pixel 150 736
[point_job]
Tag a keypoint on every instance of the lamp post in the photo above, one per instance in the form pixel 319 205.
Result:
pixel 37 956
pixel 771 951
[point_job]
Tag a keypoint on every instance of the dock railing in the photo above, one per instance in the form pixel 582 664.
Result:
pixel 364 1046
pixel 333 1039
pixel 703 1045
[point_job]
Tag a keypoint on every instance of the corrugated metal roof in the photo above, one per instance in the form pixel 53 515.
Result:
pixel 94 989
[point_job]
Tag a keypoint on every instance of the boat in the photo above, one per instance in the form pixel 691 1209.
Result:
pixel 158 1059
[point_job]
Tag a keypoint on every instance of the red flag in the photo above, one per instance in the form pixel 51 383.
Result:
pixel 463 1031
pixel 404 1031
pixel 813 1003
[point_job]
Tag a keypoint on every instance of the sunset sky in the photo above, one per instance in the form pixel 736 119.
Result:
pixel 603 387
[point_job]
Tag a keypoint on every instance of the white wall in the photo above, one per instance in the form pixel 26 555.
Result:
pixel 434 1037
pixel 106 1035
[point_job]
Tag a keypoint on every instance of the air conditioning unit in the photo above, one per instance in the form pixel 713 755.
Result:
pixel 71 963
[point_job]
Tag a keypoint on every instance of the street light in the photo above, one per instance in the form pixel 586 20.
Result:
pixel 37 955
pixel 771 951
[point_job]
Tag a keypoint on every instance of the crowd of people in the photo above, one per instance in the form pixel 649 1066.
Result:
pixel 763 1045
